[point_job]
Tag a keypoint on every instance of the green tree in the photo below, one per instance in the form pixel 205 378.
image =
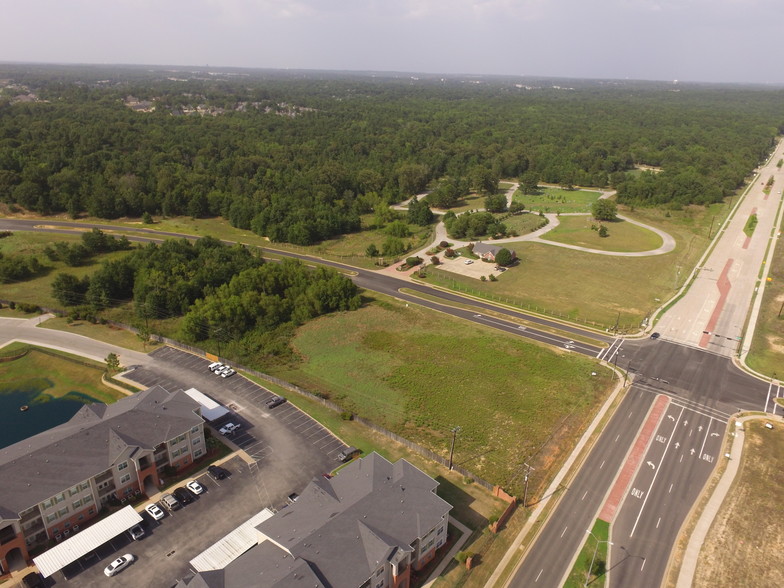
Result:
pixel 112 362
pixel 504 257
pixel 605 210
pixel 495 203
pixel 372 250
pixel 529 182
pixel 603 232
pixel 419 212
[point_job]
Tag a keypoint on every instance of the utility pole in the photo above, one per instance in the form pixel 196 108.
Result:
pixel 618 318
pixel 525 495
pixel 455 431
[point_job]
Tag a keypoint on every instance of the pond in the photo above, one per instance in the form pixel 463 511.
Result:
pixel 43 412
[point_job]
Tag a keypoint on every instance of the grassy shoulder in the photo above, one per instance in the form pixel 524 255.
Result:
pixel 105 333
pixel 744 538
pixel 622 236
pixel 54 375
pixel 591 565
pixel 766 354
pixel 419 375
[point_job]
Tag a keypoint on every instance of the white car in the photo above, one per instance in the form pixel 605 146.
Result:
pixel 468 261
pixel 219 370
pixel 195 487
pixel 227 373
pixel 228 428
pixel 119 564
pixel 155 511
pixel 214 366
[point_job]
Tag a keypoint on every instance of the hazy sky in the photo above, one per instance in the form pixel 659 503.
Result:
pixel 698 40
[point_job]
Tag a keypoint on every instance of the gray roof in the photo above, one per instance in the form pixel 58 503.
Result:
pixel 482 248
pixel 348 526
pixel 97 437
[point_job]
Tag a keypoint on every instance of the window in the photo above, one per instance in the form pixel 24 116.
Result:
pixel 48 503
pixel 197 453
pixel 122 466
pixel 125 479
pixel 195 429
pixel 67 524
pixel 59 498
pixel 91 511
pixel 62 512
pixel 87 499
pixel 380 571
pixel 76 504
pixel 440 530
pixel 197 440
pixel 51 518
pixel 380 584
pixel 84 486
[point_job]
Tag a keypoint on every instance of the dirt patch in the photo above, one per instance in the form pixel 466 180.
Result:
pixel 745 545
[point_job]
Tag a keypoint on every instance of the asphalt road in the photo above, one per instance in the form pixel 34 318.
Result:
pixel 377 282
pixel 704 389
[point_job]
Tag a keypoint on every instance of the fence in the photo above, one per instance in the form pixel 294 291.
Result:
pixel 423 451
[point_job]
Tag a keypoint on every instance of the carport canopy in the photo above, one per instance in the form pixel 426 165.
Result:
pixel 86 541
pixel 233 545
pixel 210 409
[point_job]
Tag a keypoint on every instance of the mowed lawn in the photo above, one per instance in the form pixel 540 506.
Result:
pixel 54 376
pixel 596 288
pixel 622 235
pixel 745 541
pixel 420 374
pixel 558 200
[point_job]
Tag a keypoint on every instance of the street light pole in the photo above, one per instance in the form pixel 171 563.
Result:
pixel 525 496
pixel 595 549
pixel 455 431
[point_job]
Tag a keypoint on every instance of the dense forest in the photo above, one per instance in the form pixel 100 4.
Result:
pixel 299 157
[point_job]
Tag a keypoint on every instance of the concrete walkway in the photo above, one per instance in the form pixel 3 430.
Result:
pixel 692 553
pixel 452 552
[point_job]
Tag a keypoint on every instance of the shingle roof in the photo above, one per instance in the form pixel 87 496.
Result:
pixel 97 437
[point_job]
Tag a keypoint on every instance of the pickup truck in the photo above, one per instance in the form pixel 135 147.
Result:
pixel 228 429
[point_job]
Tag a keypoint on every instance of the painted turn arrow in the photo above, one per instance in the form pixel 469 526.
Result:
pixel 650 463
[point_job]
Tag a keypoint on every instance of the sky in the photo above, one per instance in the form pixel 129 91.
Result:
pixel 688 40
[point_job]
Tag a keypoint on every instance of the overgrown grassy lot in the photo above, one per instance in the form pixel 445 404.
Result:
pixel 420 375
pixel 54 375
pixel 622 235
pixel 767 348
pixel 523 224
pixel 39 289
pixel 550 199
pixel 745 541
pixel 595 288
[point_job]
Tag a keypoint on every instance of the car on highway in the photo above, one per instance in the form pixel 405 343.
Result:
pixel 275 401
pixel 183 495
pixel 217 472
pixel 119 564
pixel 228 428
pixel 195 487
pixel 155 511
pixel 136 532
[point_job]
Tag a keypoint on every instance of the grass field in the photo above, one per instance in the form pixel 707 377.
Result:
pixel 420 375
pixel 623 236
pixel 745 543
pixel 523 224
pixel 55 376
pixel 581 572
pixel 767 348
pixel 39 289
pixel 558 200
pixel 595 288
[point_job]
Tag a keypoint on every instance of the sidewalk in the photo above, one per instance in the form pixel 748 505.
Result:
pixel 516 549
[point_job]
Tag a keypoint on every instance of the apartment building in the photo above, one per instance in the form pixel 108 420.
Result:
pixel 367 527
pixel 56 481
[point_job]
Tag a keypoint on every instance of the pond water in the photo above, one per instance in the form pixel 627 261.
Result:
pixel 44 412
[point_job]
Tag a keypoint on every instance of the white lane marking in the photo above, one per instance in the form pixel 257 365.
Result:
pixel 564 531
pixel 616 438
pixel 707 430
pixel 657 522
pixel 584 495
pixel 539 574
pixel 670 490
pixel 601 466
pixel 655 475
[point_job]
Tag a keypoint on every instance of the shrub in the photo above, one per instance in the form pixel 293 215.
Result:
pixel 493 278
pixel 462 556
pixel 28 307
pixel 443 244
pixel 346 415
pixel 434 260
pixel 603 232
pixel 483 278
pixel 412 261
pixel 449 252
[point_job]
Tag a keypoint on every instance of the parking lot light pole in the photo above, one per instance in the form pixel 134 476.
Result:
pixel 455 431
pixel 595 549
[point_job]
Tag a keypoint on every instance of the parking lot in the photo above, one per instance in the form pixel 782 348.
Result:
pixel 286 449
pixel 475 270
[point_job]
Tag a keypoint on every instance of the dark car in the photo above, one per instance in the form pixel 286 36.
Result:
pixel 137 532
pixel 655 335
pixel 33 580
pixel 217 472
pixel 183 495
pixel 275 401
